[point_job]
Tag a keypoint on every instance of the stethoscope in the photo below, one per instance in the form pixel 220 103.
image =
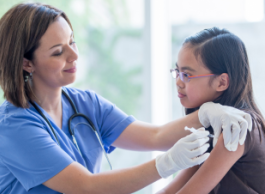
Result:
pixel 76 114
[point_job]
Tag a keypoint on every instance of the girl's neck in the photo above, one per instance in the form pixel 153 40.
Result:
pixel 190 110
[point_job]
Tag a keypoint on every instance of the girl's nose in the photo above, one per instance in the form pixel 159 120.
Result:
pixel 180 83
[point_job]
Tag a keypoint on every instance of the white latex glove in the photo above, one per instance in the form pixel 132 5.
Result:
pixel 187 152
pixel 234 123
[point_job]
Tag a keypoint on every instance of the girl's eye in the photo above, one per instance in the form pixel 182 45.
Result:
pixel 72 43
pixel 186 75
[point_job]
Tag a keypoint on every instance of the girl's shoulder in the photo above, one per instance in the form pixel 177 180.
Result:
pixel 254 144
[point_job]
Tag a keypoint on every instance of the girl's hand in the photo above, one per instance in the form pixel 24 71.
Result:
pixel 232 121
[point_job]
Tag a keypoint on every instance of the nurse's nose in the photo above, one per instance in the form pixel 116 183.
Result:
pixel 73 53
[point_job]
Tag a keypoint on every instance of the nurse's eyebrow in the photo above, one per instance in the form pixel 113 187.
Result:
pixel 61 44
pixel 185 68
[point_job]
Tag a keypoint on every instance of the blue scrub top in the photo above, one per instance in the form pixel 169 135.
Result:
pixel 29 153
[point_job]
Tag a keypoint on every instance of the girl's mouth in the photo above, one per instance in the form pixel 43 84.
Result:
pixel 181 95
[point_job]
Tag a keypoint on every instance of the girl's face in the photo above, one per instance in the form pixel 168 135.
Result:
pixel 54 63
pixel 199 90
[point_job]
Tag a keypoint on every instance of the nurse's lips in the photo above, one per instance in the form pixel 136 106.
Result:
pixel 71 70
pixel 180 95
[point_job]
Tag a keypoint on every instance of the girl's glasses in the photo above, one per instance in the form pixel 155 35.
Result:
pixel 184 76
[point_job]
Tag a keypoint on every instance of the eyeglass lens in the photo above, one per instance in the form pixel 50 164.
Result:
pixel 183 76
pixel 174 73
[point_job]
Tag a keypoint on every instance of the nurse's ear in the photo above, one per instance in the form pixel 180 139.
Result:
pixel 222 82
pixel 27 65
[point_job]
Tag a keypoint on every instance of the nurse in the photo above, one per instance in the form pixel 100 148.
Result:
pixel 38 58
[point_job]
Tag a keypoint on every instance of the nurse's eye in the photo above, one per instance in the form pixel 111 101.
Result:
pixel 57 54
pixel 72 43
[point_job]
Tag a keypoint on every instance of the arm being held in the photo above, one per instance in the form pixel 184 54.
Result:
pixel 202 180
pixel 213 169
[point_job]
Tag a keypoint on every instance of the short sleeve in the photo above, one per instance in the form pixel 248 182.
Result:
pixel 29 152
pixel 111 120
pixel 250 141
pixel 107 118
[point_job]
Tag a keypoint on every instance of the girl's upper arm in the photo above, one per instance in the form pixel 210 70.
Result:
pixel 214 169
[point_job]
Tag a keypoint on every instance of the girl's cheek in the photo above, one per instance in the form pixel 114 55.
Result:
pixel 194 97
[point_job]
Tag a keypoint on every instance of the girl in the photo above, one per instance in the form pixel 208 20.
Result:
pixel 219 62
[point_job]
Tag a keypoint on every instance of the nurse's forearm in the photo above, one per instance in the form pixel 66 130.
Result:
pixel 170 133
pixel 147 137
pixel 75 179
pixel 128 180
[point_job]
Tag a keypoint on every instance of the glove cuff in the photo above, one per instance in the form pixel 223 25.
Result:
pixel 165 165
pixel 203 116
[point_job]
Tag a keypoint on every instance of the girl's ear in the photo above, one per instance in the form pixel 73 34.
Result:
pixel 223 82
pixel 27 65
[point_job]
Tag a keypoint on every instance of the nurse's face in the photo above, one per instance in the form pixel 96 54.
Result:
pixel 54 63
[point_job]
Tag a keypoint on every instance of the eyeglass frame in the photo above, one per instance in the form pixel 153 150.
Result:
pixel 180 75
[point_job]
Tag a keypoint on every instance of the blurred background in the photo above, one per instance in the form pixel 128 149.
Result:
pixel 128 46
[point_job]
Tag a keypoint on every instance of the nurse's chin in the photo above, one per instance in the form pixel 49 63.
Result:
pixel 69 81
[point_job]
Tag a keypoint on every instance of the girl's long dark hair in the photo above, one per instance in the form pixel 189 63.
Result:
pixel 223 52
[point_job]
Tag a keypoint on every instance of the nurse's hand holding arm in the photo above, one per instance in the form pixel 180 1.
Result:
pixel 233 122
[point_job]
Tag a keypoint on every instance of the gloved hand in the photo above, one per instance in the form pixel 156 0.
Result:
pixel 187 152
pixel 234 123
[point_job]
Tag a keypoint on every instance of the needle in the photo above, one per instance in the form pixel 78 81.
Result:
pixel 194 130
pixel 211 135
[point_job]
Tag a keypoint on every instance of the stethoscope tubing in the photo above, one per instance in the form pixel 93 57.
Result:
pixel 48 122
pixel 76 114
